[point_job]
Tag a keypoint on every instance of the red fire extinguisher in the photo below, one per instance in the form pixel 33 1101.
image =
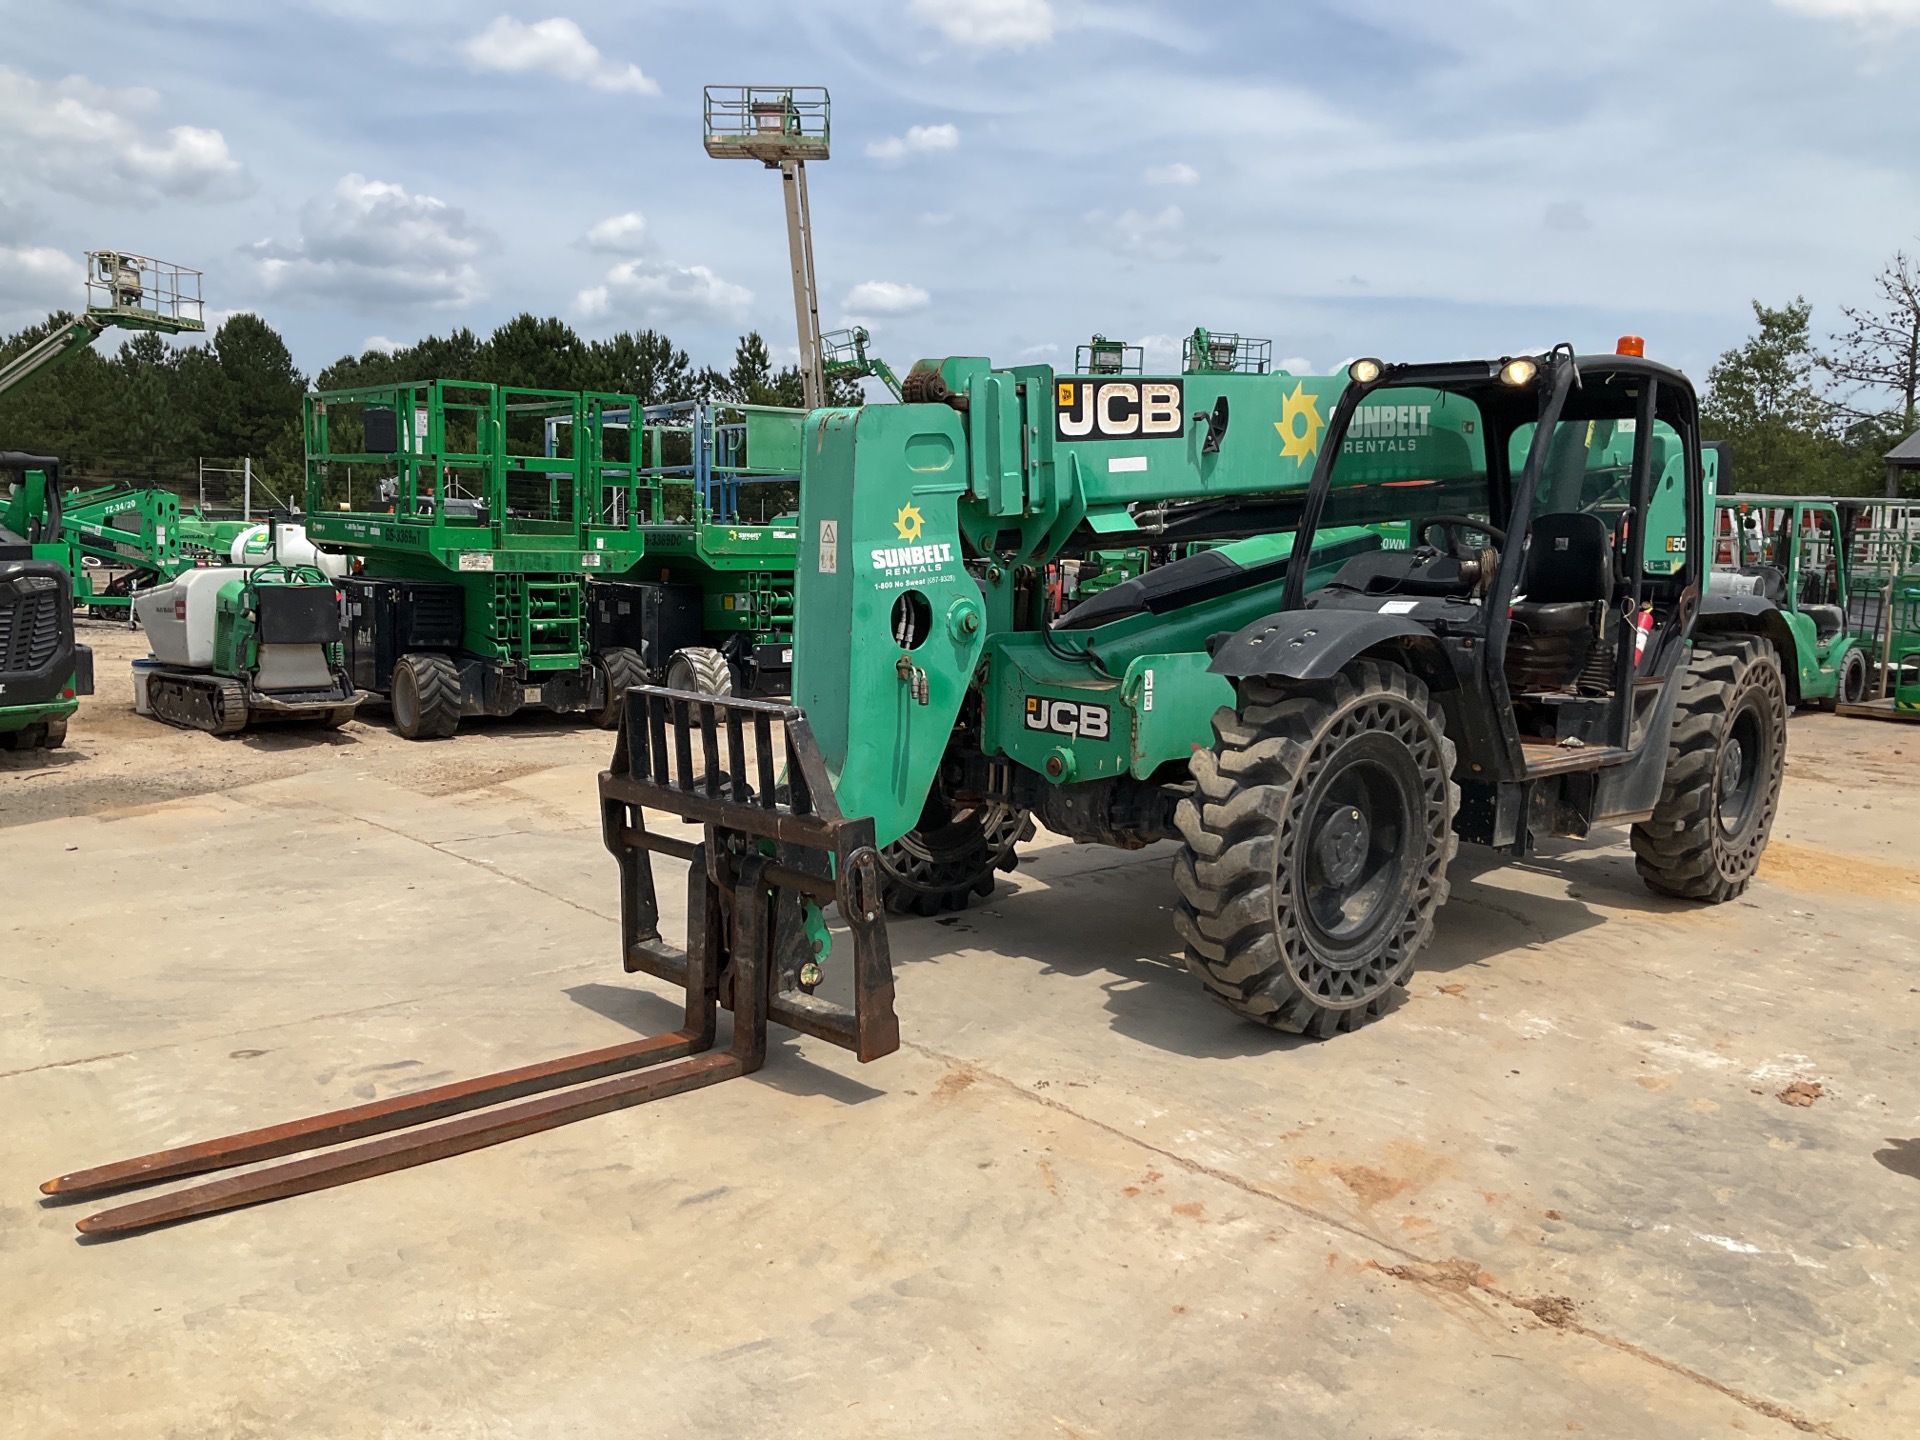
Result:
pixel 1642 628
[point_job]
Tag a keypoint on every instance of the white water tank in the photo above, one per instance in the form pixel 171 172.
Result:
pixel 250 547
pixel 180 618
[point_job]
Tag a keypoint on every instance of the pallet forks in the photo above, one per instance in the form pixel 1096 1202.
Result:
pixel 773 855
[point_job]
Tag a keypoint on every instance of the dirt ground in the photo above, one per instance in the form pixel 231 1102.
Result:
pixel 1616 1166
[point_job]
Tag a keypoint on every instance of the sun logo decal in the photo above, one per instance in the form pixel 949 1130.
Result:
pixel 909 521
pixel 1300 426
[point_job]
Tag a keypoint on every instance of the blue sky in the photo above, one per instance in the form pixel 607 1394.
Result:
pixel 1345 177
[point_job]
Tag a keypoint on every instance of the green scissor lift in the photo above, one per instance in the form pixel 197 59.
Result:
pixel 474 548
pixel 718 483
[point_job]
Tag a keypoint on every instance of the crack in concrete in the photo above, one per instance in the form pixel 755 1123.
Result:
pixel 439 848
pixel 1772 1410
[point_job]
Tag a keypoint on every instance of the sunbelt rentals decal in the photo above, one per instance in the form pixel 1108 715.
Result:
pixel 910 559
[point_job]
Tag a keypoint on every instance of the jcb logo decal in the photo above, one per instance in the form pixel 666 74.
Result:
pixel 1067 717
pixel 1118 409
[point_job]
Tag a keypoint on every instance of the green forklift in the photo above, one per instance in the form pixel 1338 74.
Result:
pixel 1797 552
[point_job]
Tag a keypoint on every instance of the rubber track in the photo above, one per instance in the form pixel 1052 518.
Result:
pixel 1235 833
pixel 1680 851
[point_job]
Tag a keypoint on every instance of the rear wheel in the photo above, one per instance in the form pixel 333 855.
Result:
pixel 55 733
pixel 621 669
pixel 950 856
pixel 698 670
pixel 426 696
pixel 1316 847
pixel 1725 762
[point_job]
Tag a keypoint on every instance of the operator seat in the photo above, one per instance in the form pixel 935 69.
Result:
pixel 1828 621
pixel 1566 581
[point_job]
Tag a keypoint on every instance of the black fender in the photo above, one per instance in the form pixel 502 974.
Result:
pixel 1754 615
pixel 1316 644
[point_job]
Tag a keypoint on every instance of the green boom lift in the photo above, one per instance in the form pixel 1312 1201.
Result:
pixel 1315 724
pixel 114 539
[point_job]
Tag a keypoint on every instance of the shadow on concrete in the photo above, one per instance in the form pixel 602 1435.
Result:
pixel 26 762
pixel 1116 920
pixel 787 1069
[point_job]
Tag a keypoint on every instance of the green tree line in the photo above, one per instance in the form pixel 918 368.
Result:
pixel 1808 420
pixel 148 411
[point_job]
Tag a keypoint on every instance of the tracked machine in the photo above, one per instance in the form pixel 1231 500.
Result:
pixel 235 647
pixel 1487 622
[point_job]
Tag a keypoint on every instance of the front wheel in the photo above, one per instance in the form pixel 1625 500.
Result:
pixel 1853 678
pixel 1725 761
pixel 426 696
pixel 1316 847
pixel 950 857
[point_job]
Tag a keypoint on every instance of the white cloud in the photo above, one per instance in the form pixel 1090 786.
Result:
pixel 658 293
pixel 1161 353
pixel 1860 12
pixel 1040 351
pixel 380 344
pixel 1140 236
pixel 86 140
pixel 372 242
pixel 555 47
pixel 1296 365
pixel 37 278
pixel 885 297
pixel 1178 173
pixel 619 234
pixel 989 24
pixel 919 140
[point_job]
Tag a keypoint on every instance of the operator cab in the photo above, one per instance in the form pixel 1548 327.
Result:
pixel 1536 522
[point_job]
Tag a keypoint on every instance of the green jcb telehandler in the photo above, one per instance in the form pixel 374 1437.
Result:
pixel 1315 726
pixel 1490 623
pixel 43 670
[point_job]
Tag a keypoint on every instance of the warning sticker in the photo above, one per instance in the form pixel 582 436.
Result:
pixel 829 547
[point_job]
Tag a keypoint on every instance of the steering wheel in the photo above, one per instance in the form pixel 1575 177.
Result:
pixel 1454 523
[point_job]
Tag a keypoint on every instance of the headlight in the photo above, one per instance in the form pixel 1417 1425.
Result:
pixel 1364 372
pixel 1519 373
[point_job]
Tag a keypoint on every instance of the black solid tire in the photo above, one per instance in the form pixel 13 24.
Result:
pixel 698 670
pixel 1729 748
pixel 1262 826
pixel 1852 688
pixel 426 696
pixel 950 857
pixel 622 669
pixel 54 734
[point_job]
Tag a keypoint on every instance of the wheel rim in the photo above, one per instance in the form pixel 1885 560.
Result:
pixel 1353 851
pixel 1742 764
pixel 1357 848
pixel 680 676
